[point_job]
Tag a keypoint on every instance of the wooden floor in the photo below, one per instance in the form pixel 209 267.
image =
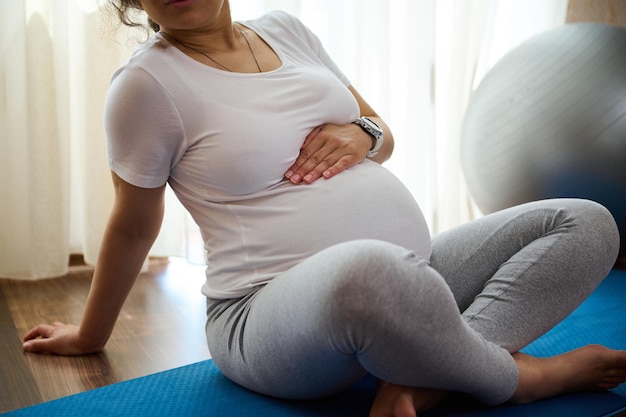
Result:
pixel 161 327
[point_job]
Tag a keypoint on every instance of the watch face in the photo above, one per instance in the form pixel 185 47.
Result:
pixel 371 122
pixel 375 130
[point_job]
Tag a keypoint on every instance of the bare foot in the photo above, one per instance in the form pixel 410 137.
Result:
pixel 589 368
pixel 401 401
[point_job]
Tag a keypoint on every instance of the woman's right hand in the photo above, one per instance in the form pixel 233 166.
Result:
pixel 57 338
pixel 133 226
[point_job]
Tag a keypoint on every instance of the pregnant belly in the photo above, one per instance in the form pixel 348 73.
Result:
pixel 291 222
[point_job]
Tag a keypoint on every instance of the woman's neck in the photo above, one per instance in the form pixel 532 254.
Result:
pixel 217 39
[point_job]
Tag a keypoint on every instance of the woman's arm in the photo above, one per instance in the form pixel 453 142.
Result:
pixel 330 149
pixel 133 226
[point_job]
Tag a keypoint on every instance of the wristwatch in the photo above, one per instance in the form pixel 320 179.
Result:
pixel 374 131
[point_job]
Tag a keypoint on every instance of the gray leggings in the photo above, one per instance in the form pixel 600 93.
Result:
pixel 370 306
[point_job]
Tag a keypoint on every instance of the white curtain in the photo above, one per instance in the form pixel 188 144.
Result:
pixel 416 61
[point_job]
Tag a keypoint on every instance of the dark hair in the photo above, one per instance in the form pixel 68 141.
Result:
pixel 128 12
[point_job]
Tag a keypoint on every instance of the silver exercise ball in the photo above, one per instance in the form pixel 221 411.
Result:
pixel 549 120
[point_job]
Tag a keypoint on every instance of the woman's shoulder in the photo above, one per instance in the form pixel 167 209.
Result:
pixel 278 19
pixel 149 67
pixel 279 16
pixel 143 82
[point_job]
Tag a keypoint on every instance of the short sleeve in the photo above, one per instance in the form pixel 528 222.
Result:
pixel 144 132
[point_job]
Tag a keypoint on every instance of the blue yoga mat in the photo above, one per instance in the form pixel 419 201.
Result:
pixel 201 390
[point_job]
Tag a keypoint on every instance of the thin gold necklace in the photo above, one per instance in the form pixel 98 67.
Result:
pixel 213 60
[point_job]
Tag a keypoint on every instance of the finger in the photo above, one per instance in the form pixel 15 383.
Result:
pixel 342 164
pixel 31 334
pixel 331 165
pixel 41 330
pixel 308 162
pixel 38 345
pixel 315 165
pixel 308 158
pixel 311 136
pixel 294 172
pixel 324 166
pixel 302 157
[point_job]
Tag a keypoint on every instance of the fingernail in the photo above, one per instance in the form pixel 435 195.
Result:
pixel 288 173
pixel 295 178
pixel 308 177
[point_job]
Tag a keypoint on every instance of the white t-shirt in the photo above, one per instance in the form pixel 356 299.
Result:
pixel 223 142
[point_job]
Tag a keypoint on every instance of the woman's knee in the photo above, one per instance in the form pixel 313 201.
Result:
pixel 379 279
pixel 597 226
pixel 370 266
pixel 373 255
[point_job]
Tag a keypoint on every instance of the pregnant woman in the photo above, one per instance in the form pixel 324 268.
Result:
pixel 320 266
